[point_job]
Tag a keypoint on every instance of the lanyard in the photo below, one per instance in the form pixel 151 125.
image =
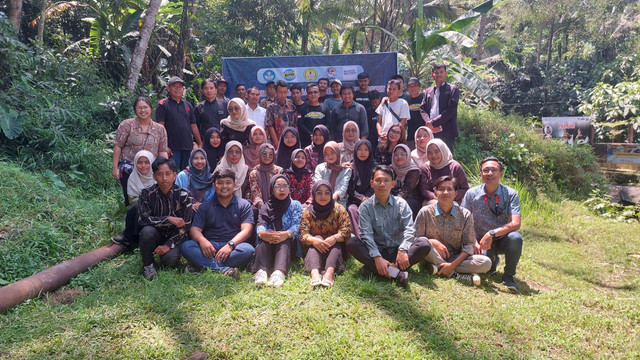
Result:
pixel 495 210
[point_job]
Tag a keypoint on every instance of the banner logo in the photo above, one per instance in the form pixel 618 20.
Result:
pixel 289 74
pixel 310 74
pixel 269 75
pixel 331 73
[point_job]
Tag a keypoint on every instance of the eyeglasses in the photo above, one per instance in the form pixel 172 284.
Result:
pixel 234 108
pixel 350 130
pixel 382 181
pixel 268 155
pixel 395 132
pixel 399 155
pixel 234 152
pixel 281 187
pixel 488 171
pixel 313 92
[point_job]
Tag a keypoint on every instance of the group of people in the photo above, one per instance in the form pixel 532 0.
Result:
pixel 352 174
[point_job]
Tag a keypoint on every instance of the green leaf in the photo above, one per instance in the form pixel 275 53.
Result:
pixel 55 179
pixel 458 38
pixel 11 122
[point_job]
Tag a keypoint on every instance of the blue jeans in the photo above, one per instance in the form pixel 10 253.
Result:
pixel 239 257
pixel 511 246
pixel 181 157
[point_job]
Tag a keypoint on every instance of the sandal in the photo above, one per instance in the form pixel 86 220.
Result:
pixel 326 283
pixel 316 282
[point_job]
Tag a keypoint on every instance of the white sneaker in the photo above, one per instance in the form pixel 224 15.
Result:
pixel 432 269
pixel 260 278
pixel 276 279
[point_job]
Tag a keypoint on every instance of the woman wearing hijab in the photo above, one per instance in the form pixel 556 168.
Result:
pixel 319 138
pixel 407 177
pixel 324 229
pixel 441 163
pixel 197 178
pixel 140 178
pixel 419 154
pixel 278 226
pixel 335 172
pixel 237 125
pixel 289 141
pixel 212 145
pixel 395 136
pixel 300 178
pixel 251 155
pixel 350 135
pixel 261 175
pixel 234 161
pixel 360 188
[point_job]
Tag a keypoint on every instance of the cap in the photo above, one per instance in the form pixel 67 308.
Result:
pixel 335 81
pixel 413 80
pixel 221 80
pixel 173 80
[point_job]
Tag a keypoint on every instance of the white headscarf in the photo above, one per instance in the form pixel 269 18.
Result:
pixel 447 157
pixel 349 146
pixel 240 169
pixel 420 155
pixel 239 123
pixel 138 181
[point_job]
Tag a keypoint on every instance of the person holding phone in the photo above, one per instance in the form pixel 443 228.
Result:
pixel 387 244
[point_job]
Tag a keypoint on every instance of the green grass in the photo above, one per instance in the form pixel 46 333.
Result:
pixel 579 298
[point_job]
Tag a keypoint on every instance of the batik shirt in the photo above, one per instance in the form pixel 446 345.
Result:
pixel 155 207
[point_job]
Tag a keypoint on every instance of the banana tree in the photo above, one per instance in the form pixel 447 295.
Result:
pixel 421 46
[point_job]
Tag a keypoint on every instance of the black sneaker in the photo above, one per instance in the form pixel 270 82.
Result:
pixel 190 269
pixel 403 278
pixel 365 271
pixel 510 283
pixel 149 272
pixel 494 265
pixel 472 279
pixel 233 273
pixel 120 240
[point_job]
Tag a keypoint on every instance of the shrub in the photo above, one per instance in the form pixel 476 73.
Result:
pixel 544 165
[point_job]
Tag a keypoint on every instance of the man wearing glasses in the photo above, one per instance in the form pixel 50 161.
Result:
pixel 387 245
pixel 496 216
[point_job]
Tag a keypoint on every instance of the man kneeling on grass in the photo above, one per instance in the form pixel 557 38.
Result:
pixel 496 216
pixel 165 213
pixel 387 244
pixel 449 228
pixel 220 228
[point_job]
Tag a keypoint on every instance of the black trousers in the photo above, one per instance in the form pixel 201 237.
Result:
pixel 150 239
pixel 272 256
pixel 417 252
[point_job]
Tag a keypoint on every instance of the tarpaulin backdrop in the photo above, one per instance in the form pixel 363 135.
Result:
pixel 257 71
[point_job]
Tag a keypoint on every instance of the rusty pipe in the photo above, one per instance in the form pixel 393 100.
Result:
pixel 54 277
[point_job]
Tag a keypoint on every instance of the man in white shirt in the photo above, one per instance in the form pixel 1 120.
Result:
pixel 256 112
pixel 396 110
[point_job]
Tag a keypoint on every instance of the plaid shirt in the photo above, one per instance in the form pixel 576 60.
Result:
pixel 155 207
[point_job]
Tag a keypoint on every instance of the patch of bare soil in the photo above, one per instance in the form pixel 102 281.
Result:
pixel 65 296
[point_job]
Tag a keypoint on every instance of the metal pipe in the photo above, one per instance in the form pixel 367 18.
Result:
pixel 54 277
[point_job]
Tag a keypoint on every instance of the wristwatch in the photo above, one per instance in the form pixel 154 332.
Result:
pixel 231 243
pixel 492 233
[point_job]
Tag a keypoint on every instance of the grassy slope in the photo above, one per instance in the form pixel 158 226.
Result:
pixel 579 298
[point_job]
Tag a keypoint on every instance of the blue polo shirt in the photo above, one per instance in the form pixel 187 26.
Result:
pixel 219 223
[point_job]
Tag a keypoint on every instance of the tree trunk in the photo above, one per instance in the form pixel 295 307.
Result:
pixel 305 32
pixel 141 47
pixel 480 39
pixel 43 12
pixel 183 43
pixel 15 13
pixel 550 44
pixel 539 48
